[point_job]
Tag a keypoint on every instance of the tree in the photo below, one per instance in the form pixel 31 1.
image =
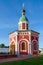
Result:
pixel 2 45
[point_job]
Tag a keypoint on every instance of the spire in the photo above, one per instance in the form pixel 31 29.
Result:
pixel 23 11
pixel 23 5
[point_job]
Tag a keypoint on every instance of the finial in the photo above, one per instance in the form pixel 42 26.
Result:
pixel 23 5
pixel 23 11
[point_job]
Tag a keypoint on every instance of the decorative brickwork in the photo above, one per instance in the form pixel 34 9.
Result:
pixel 23 37
pixel 25 50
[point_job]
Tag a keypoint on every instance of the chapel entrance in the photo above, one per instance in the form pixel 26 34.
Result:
pixel 12 48
pixel 23 47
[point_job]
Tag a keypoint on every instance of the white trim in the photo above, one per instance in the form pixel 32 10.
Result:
pixel 23 39
pixel 23 50
pixel 12 36
pixel 30 52
pixel 20 23
pixel 20 26
pixel 27 43
pixel 29 46
pixel 18 48
pixel 24 33
pixel 25 47
pixel 23 22
pixel 29 33
pixel 16 45
pixel 34 40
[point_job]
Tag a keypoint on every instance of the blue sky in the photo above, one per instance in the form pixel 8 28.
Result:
pixel 10 12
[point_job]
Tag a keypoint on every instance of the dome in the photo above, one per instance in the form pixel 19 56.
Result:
pixel 23 18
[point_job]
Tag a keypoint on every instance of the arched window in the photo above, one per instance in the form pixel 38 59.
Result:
pixel 23 25
pixel 23 46
pixel 35 45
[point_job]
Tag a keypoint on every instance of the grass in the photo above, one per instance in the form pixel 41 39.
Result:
pixel 29 61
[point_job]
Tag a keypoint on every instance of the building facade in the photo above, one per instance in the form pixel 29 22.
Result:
pixel 24 41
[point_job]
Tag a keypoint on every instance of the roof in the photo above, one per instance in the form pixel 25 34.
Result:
pixel 23 18
pixel 24 31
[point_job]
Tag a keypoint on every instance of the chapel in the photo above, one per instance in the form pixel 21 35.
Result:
pixel 24 41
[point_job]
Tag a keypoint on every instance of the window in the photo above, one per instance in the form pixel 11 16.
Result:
pixel 23 46
pixel 35 45
pixel 27 26
pixel 23 25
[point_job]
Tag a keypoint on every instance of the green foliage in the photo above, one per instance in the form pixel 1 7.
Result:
pixel 42 48
pixel 2 45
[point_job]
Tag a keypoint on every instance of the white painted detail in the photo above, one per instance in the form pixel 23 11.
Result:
pixel 30 52
pixel 29 48
pixel 23 50
pixel 12 36
pixel 16 50
pixel 29 33
pixel 24 39
pixel 23 22
pixel 27 43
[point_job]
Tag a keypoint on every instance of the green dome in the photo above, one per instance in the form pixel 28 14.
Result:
pixel 23 18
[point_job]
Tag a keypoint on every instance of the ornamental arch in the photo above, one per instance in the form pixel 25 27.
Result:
pixel 34 47
pixel 23 46
pixel 12 47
